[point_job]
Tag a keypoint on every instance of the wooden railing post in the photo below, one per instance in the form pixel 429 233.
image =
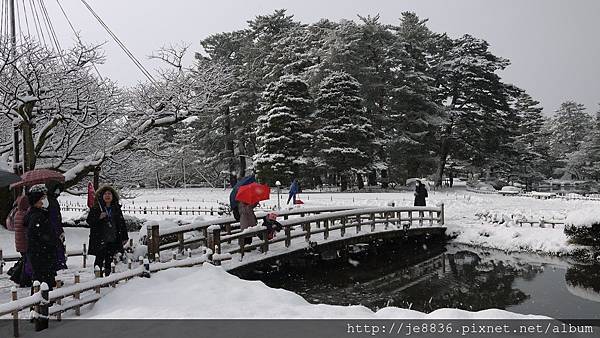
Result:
pixel 149 240
pixel 146 272
pixel 59 284
pixel 430 218
pixel 387 220
pixel 181 246
pixel 307 230
pixel 228 230
pixel 265 246
pixel 410 217
pixel 76 294
pixel 442 220
pixel 326 232
pixel 358 223
pixel 97 274
pixel 214 241
pixel 84 255
pixel 15 314
pixel 41 322
pixel 288 235
pixel 112 270
pixel 343 229
pixel 155 239
pixel 372 217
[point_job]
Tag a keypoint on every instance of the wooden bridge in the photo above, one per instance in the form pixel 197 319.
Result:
pixel 221 240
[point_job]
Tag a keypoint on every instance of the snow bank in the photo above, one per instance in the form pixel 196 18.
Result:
pixel 210 292
pixel 583 217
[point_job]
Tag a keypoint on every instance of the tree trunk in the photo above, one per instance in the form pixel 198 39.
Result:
pixel 384 179
pixel 444 150
pixel 29 157
pixel 372 178
pixel 96 178
pixel 343 182
pixel 229 148
pixel 360 182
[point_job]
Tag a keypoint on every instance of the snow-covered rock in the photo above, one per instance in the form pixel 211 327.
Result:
pixel 583 217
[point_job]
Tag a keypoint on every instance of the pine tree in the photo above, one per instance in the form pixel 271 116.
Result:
pixel 568 129
pixel 283 131
pixel 475 99
pixel 585 163
pixel 531 161
pixel 344 134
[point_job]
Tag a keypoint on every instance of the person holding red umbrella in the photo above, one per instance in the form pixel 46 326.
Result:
pixel 248 197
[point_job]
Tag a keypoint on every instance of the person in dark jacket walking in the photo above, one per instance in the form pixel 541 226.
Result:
pixel 54 190
pixel 41 239
pixel 108 232
pixel 420 194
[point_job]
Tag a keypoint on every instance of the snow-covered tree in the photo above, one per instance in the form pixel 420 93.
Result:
pixel 344 132
pixel 585 162
pixel 283 133
pixel 475 100
pixel 568 129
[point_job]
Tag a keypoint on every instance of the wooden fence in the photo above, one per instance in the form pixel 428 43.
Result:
pixel 542 222
pixel 158 210
pixel 75 296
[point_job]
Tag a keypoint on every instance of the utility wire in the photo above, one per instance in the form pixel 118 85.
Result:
pixel 26 20
pixel 121 44
pixel 50 26
pixel 77 36
pixel 35 21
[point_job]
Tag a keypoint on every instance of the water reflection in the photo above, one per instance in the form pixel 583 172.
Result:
pixel 428 278
pixel 584 281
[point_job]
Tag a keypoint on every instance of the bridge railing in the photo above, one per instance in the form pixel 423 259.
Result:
pixel 219 234
pixel 160 239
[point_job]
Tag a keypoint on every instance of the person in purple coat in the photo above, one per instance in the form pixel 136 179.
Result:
pixel 55 217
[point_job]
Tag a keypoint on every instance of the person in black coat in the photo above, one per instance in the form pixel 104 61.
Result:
pixel 42 240
pixel 420 194
pixel 55 216
pixel 108 232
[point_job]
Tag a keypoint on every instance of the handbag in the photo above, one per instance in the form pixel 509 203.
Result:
pixel 17 274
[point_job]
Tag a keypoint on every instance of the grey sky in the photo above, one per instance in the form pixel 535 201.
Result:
pixel 552 44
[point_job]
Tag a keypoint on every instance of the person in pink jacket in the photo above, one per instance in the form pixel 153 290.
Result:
pixel 20 226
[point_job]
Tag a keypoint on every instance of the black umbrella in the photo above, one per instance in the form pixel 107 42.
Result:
pixel 8 178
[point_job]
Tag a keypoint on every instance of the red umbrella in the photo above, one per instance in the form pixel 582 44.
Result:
pixel 91 195
pixel 253 193
pixel 38 176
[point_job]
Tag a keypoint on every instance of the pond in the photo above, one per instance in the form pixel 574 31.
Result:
pixel 426 278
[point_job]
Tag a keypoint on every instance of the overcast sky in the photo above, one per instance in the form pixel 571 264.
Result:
pixel 553 44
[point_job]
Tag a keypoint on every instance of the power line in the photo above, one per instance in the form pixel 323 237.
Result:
pixel 121 44
pixel 26 20
pixel 51 30
pixel 36 22
pixel 77 35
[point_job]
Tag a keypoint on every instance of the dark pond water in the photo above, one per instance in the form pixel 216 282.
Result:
pixel 428 278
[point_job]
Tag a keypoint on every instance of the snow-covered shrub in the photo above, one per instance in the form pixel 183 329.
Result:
pixel 583 226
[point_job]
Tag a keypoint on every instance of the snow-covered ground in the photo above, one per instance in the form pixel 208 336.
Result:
pixel 184 289
pixel 462 208
pixel 229 297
